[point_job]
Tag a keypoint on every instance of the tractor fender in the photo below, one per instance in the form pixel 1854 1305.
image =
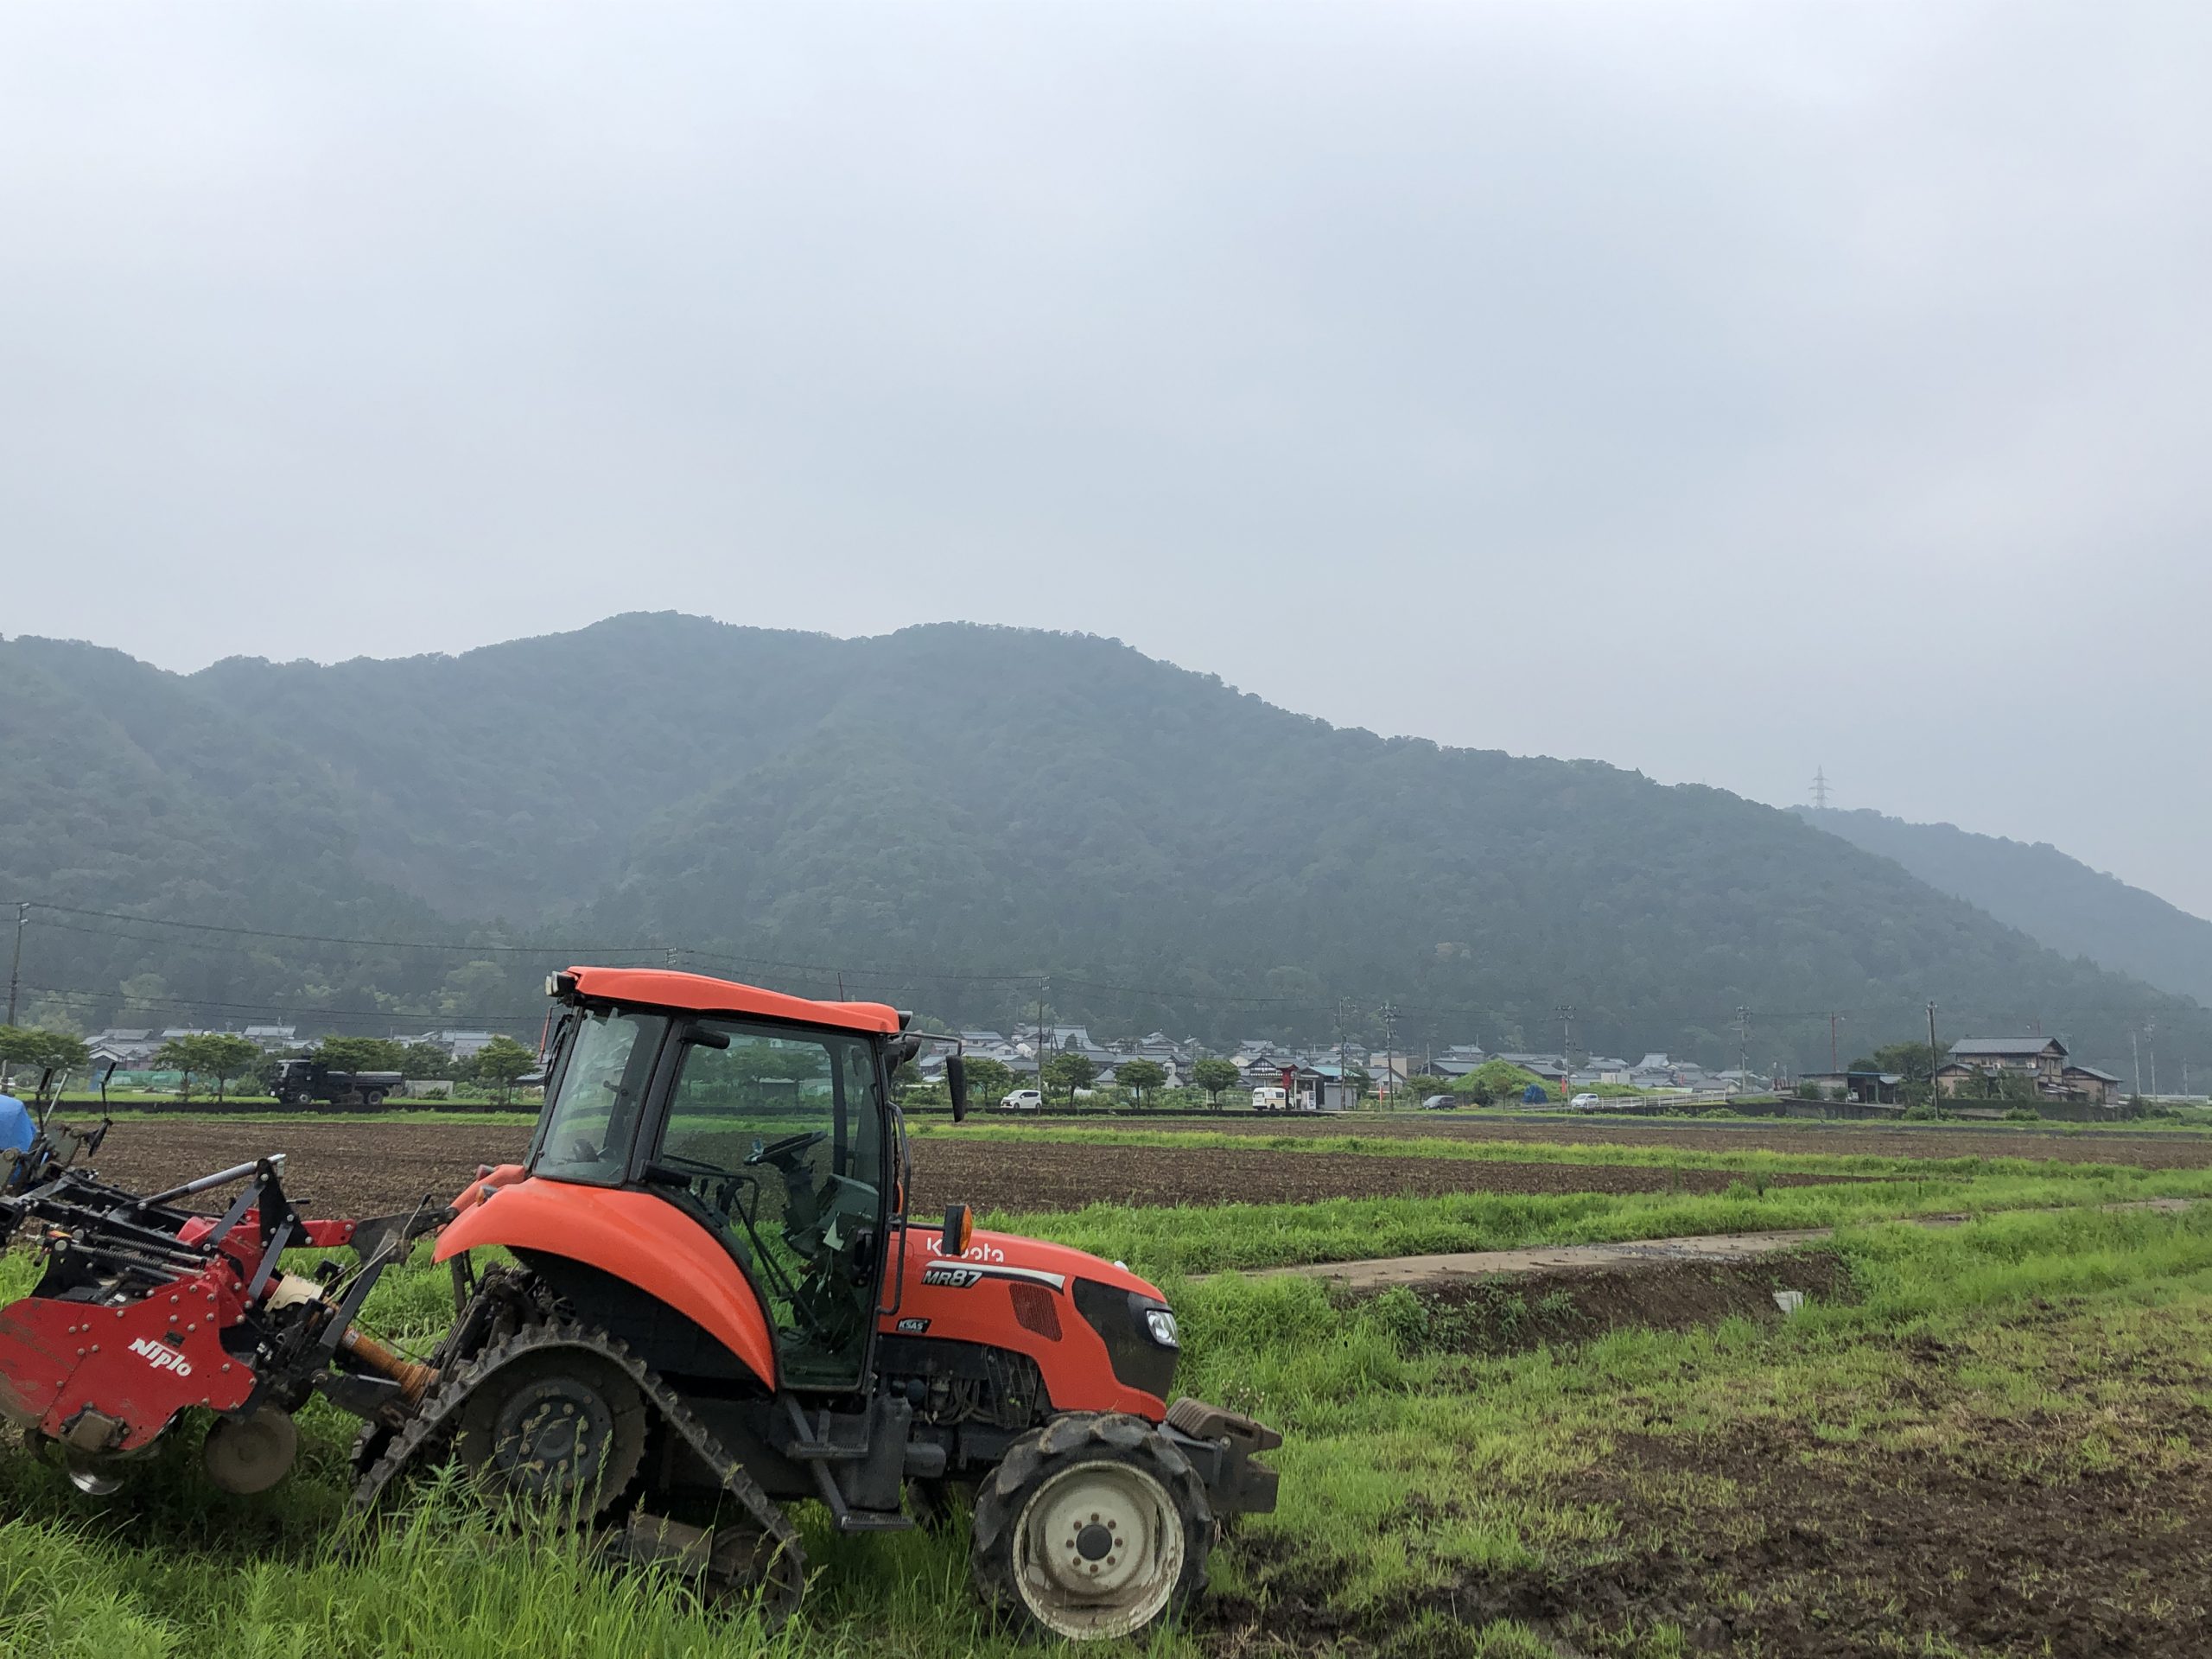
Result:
pixel 634 1237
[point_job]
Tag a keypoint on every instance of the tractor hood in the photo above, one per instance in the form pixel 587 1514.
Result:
pixel 1012 1255
pixel 1105 1339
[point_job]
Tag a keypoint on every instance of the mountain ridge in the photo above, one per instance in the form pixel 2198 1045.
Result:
pixel 982 808
pixel 2046 894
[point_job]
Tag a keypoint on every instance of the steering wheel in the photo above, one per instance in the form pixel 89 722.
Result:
pixel 774 1152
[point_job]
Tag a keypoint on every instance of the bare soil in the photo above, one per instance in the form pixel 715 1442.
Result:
pixel 1986 1538
pixel 2147 1151
pixel 360 1167
pixel 1506 1316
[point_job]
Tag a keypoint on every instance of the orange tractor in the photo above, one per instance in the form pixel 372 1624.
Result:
pixel 714 1302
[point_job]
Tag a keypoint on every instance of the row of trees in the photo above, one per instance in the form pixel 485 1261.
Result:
pixel 28 1051
pixel 221 1060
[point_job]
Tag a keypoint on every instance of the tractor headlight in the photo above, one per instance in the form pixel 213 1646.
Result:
pixel 1161 1324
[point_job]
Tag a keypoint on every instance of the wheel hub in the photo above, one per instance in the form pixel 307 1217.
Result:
pixel 1102 1546
pixel 551 1437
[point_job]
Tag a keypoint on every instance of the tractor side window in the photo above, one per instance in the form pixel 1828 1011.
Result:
pixel 593 1113
pixel 781 1134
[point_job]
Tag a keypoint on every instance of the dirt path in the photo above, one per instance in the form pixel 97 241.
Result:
pixel 1381 1272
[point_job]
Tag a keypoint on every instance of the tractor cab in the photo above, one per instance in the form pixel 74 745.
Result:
pixel 774 1136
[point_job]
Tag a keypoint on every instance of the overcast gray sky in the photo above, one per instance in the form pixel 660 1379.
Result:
pixel 1719 390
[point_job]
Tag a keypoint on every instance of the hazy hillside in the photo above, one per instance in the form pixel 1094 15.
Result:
pixel 947 814
pixel 2057 900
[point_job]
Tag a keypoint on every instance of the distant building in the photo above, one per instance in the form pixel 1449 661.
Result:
pixel 1457 1060
pixel 1552 1068
pixel 1868 1088
pixel 2086 1082
pixel 2041 1061
pixel 127 1048
pixel 462 1044
pixel 268 1039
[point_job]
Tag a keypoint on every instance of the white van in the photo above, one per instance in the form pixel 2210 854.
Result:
pixel 1271 1100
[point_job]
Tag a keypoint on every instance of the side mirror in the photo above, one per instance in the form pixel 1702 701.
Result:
pixel 955 1079
pixel 700 1037
pixel 959 1228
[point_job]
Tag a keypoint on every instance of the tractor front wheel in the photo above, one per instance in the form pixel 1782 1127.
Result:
pixel 1093 1526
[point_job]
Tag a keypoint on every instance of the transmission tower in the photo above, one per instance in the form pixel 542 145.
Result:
pixel 1821 789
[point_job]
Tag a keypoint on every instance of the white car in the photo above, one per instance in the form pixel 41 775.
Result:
pixel 1584 1102
pixel 1022 1100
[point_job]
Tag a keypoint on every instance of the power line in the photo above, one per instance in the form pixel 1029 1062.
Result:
pixel 331 938
pixel 189 1004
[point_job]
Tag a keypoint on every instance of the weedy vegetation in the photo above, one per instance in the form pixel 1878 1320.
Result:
pixel 1633 1492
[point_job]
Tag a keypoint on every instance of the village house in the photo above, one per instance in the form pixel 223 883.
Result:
pixel 1975 1061
pixel 127 1048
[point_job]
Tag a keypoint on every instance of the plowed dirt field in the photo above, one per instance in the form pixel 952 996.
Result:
pixel 365 1167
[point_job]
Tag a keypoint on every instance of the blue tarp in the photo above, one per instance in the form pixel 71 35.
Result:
pixel 1534 1095
pixel 16 1129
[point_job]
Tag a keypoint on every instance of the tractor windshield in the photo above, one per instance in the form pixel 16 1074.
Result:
pixel 782 1135
pixel 585 1131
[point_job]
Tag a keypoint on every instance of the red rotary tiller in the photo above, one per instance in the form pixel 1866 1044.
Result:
pixel 144 1311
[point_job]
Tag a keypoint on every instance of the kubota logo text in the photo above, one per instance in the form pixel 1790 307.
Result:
pixel 161 1356
pixel 973 1253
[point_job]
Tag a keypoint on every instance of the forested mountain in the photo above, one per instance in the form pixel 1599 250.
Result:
pixel 2058 900
pixel 946 816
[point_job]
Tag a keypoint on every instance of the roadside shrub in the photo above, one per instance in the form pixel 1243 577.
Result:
pixel 2024 1114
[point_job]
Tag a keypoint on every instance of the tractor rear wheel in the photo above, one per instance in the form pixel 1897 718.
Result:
pixel 559 1426
pixel 1093 1526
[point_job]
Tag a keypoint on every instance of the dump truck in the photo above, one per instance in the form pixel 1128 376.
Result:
pixel 303 1082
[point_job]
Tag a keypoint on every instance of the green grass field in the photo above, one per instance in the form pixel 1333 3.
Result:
pixel 1436 1500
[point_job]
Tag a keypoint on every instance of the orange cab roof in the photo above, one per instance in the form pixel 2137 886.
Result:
pixel 659 987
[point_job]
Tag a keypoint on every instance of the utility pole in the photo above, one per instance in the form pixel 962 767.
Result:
pixel 1742 1046
pixel 1820 789
pixel 2138 1052
pixel 14 977
pixel 1389 1044
pixel 1935 1061
pixel 1044 986
pixel 15 968
pixel 2149 1041
pixel 1342 1080
pixel 1834 1066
